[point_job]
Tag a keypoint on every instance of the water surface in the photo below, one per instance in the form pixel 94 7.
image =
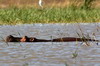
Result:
pixel 50 53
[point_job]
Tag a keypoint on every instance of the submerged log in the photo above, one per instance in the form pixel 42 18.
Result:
pixel 10 38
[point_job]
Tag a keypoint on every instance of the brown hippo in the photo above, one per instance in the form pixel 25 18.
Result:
pixel 10 38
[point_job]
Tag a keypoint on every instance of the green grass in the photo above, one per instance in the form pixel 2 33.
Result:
pixel 15 15
pixel 87 4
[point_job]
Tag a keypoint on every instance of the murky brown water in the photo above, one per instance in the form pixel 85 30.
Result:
pixel 48 53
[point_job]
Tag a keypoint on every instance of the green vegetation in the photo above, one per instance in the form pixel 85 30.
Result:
pixel 87 4
pixel 48 15
pixel 53 12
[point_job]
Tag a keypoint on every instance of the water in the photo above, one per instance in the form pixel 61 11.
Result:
pixel 50 53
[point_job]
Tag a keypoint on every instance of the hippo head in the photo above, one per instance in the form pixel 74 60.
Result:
pixel 10 38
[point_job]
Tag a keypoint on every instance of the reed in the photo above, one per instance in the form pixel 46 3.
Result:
pixel 4 40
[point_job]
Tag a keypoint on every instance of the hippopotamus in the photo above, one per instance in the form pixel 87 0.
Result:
pixel 11 38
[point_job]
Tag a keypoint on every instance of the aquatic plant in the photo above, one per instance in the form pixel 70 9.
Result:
pixel 74 55
pixel 25 64
pixel 4 40
pixel 66 64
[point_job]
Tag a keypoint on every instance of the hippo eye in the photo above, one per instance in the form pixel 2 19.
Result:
pixel 31 39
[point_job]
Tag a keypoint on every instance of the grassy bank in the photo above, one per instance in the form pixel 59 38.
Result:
pixel 48 15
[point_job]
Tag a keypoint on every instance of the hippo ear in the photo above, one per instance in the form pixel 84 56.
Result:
pixel 25 37
pixel 10 36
